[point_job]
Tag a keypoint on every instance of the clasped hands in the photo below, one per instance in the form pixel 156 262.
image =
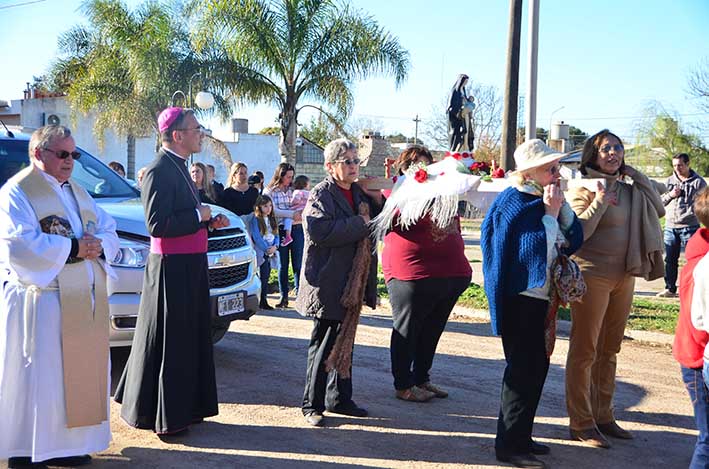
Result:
pixel 219 221
pixel 90 247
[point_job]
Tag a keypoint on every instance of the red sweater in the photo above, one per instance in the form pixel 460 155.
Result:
pixel 689 343
pixel 425 251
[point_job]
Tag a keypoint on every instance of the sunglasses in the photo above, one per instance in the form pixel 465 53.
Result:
pixel 349 162
pixel 607 148
pixel 63 154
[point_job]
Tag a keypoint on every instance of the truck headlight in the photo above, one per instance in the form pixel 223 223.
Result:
pixel 131 254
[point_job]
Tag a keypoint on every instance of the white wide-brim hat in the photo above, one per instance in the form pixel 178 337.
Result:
pixel 534 153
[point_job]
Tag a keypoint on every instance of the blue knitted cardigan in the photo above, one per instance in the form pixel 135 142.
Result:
pixel 513 243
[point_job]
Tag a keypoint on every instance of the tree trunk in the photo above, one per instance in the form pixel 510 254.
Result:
pixel 289 132
pixel 130 154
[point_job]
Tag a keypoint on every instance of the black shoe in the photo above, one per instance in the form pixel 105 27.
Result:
pixel 70 461
pixel 173 437
pixel 282 304
pixel 350 409
pixel 24 463
pixel 539 449
pixel 520 460
pixel 265 306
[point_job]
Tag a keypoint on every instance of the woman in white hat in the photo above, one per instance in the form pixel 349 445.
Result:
pixel 523 231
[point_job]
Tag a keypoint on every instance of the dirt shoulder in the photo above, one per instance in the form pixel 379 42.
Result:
pixel 260 372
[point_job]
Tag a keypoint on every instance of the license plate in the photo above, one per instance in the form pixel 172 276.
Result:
pixel 230 304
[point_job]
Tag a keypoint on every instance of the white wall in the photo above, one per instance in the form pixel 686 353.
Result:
pixel 259 152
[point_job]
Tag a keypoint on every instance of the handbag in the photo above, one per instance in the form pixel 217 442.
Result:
pixel 567 285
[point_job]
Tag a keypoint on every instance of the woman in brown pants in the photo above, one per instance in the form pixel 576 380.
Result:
pixel 622 240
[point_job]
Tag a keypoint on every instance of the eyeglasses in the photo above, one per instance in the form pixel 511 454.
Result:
pixel 554 169
pixel 63 154
pixel 349 162
pixel 199 127
pixel 607 148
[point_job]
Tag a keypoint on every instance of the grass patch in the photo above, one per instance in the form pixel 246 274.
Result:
pixel 645 314
pixel 650 315
pixel 473 297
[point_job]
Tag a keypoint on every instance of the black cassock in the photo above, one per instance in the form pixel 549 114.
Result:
pixel 169 379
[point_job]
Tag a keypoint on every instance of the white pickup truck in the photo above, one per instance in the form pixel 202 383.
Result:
pixel 233 274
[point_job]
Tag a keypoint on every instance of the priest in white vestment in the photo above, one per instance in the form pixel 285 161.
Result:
pixel 54 351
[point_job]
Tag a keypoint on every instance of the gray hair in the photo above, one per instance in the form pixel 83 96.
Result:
pixel 335 149
pixel 44 136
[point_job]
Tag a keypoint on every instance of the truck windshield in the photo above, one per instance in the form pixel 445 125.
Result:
pixel 98 179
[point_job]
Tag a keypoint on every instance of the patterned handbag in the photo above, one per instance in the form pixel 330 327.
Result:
pixel 567 285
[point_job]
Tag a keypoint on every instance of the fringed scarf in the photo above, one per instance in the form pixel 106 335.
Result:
pixel 432 190
pixel 340 357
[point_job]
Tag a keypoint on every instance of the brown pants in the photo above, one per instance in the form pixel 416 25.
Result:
pixel 597 328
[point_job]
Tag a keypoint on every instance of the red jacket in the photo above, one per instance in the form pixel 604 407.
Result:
pixel 689 343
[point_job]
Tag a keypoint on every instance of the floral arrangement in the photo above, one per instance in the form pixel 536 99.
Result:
pixel 479 168
pixel 418 171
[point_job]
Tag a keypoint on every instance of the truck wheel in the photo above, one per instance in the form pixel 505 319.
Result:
pixel 218 331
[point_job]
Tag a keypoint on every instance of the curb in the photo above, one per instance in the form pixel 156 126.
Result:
pixel 563 328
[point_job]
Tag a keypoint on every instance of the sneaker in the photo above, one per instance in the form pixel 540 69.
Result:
pixel 414 394
pixel 666 293
pixel 286 241
pixel 429 386
pixel 314 418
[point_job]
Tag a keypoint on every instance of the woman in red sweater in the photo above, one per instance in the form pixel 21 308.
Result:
pixel 426 270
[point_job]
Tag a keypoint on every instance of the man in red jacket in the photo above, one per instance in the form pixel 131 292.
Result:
pixel 690 342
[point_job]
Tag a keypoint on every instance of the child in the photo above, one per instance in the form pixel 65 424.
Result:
pixel 301 186
pixel 264 232
pixel 690 345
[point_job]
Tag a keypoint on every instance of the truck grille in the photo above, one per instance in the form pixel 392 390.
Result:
pixel 228 276
pixel 225 244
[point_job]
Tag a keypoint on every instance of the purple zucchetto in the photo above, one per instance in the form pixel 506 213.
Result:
pixel 167 117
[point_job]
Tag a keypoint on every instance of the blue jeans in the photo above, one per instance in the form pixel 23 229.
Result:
pixel 294 251
pixel 675 240
pixel 695 381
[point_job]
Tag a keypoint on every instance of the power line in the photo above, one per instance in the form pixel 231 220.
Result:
pixel 634 117
pixel 4 7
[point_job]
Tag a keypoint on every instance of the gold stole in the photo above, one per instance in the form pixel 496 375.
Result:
pixel 85 347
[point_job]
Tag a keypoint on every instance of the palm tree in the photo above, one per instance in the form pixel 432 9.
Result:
pixel 126 64
pixel 285 51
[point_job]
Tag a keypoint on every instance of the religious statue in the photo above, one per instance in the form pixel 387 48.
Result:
pixel 460 117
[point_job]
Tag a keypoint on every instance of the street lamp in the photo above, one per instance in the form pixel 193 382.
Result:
pixel 203 100
pixel 550 119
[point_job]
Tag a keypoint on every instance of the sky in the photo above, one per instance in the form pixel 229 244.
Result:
pixel 600 61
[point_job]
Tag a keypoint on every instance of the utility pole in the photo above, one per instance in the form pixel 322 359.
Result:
pixel 509 114
pixel 533 38
pixel 416 131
